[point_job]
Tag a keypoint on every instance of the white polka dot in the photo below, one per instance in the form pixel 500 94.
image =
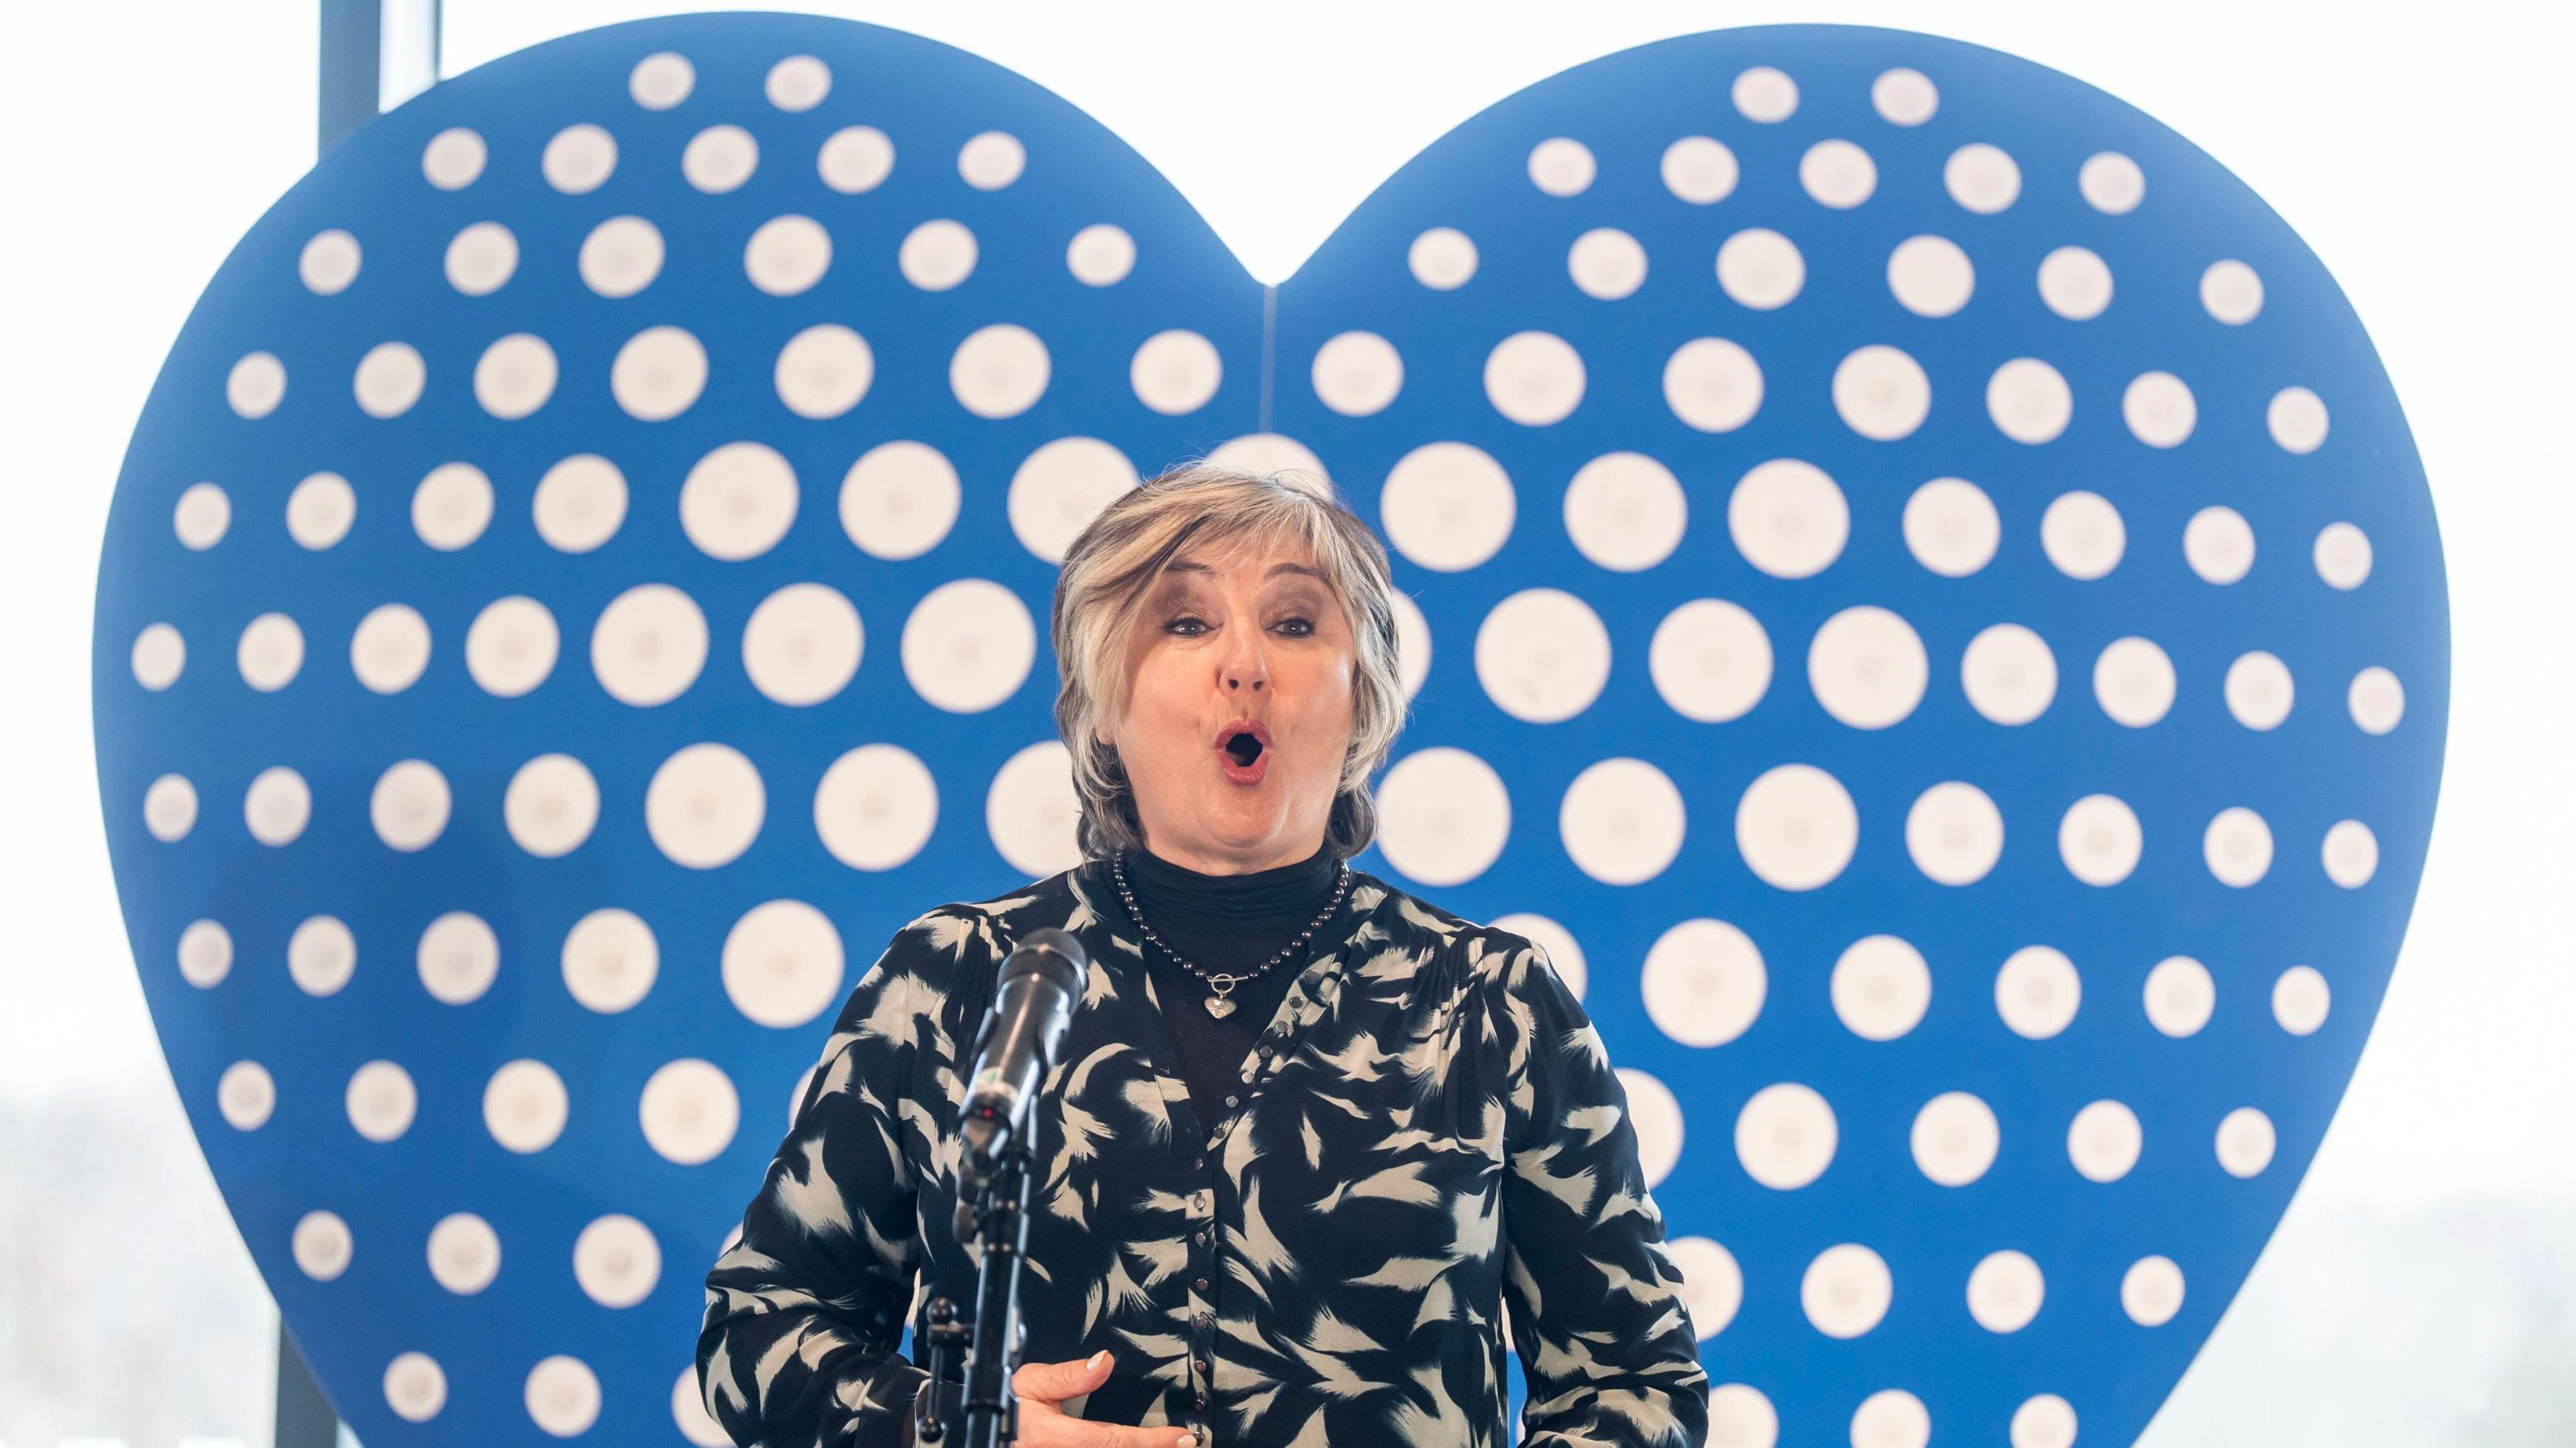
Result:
pixel 1058 489
pixel 2046 1421
pixel 1845 1290
pixel 1867 667
pixel 1534 378
pixel 256 384
pixel 2151 1291
pixel 2245 1142
pixel 563 1396
pixel 1444 814
pixel 2351 854
pixel 453 158
pixel 1625 511
pixel 689 1110
pixel 1795 826
pixel 1001 370
pixel 1621 821
pixel 2111 183
pixel 824 371
pixel 738 501
pixel 1981 178
pixel 458 956
pixel 2342 555
pixel 1760 268
pixel 2300 999
pixel 2297 419
pixel 1784 1136
pixel 1030 810
pixel 1356 374
pixel 322 955
pixel 937 255
pixel 2037 992
pixel 409 804
pixel 855 159
pixel 322 1245
pixel 647 645
pixel 246 1095
pixel 1712 384
pixel 2237 846
pixel 205 954
pixel 580 503
pixel 1446 506
pixel 2219 544
pixel 2005 1290
pixel 270 653
pixel 1710 660
pixel 2029 400
pixel 968 645
pixel 1788 518
pixel 381 1101
pixel 1703 982
pixel 328 263
pixel 1904 96
pixel 900 499
pixel 1100 255
pixel 158 656
pixel 2103 1141
pixel 1712 1284
pixel 320 510
pixel 2258 690
pixel 689 1411
pixel 991 160
pixel 798 83
pixel 389 379
pixel 1881 393
pixel 658 374
pixel 464 1253
pixel 2133 680
pixel 451 506
pixel 621 256
pixel 1951 527
pixel 2179 996
pixel 1542 655
pixel 551 805
pixel 1955 1138
pixel 704 805
pixel 1837 174
pixel 1739 1416
pixel 2158 408
pixel 1891 1418
pixel 787 255
pixel 1930 276
pixel 802 644
pixel 719 159
pixel 579 159
pixel 1442 258
pixel 483 259
pixel 2376 700
pixel 610 959
pixel 661 80
pixel 414 1387
pixel 2082 534
pixel 1880 987
pixel 1606 263
pixel 1764 93
pixel 515 376
pixel 2232 292
pixel 2075 283
pixel 1561 166
pixel 616 1260
pixel 1699 170
pixel 203 515
pixel 1953 833
pixel 277 805
pixel 876 806
pixel 782 963
pixel 2099 839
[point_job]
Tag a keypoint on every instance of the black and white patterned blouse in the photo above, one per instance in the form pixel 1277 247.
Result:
pixel 1428 1134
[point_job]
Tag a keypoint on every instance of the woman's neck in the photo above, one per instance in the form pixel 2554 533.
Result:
pixel 1283 896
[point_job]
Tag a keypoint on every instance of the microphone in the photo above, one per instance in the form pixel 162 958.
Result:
pixel 1038 984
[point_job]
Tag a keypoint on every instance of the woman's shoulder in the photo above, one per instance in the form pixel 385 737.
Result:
pixel 1454 948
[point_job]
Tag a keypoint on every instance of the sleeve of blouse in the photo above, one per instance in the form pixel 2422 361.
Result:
pixel 1606 1347
pixel 805 1314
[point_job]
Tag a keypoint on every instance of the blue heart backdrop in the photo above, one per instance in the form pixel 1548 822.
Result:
pixel 1923 600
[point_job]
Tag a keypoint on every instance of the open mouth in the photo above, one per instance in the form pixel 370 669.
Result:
pixel 1243 750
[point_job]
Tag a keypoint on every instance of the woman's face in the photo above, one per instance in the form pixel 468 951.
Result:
pixel 1238 636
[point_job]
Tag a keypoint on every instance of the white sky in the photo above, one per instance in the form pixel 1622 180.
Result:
pixel 2426 164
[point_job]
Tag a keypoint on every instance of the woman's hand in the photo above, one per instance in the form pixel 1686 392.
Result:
pixel 1040 1386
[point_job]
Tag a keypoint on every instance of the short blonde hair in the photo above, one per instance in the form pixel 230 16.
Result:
pixel 1112 565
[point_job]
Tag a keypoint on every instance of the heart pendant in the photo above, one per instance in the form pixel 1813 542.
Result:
pixel 1220 1007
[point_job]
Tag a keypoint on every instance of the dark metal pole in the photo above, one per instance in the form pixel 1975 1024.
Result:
pixel 352 66
pixel 305 1418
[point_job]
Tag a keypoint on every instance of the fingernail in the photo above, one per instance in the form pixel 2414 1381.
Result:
pixel 1097 1359
pixel 1185 1440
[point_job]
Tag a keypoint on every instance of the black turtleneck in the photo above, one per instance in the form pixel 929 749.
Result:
pixel 1228 924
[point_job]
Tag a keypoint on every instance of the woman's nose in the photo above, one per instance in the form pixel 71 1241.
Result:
pixel 1244 667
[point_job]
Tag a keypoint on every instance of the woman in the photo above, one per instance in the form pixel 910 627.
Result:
pixel 1308 1137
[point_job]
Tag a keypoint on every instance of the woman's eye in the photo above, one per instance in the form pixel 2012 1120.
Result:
pixel 1304 623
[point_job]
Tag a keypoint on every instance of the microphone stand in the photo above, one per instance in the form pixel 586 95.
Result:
pixel 982 1412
